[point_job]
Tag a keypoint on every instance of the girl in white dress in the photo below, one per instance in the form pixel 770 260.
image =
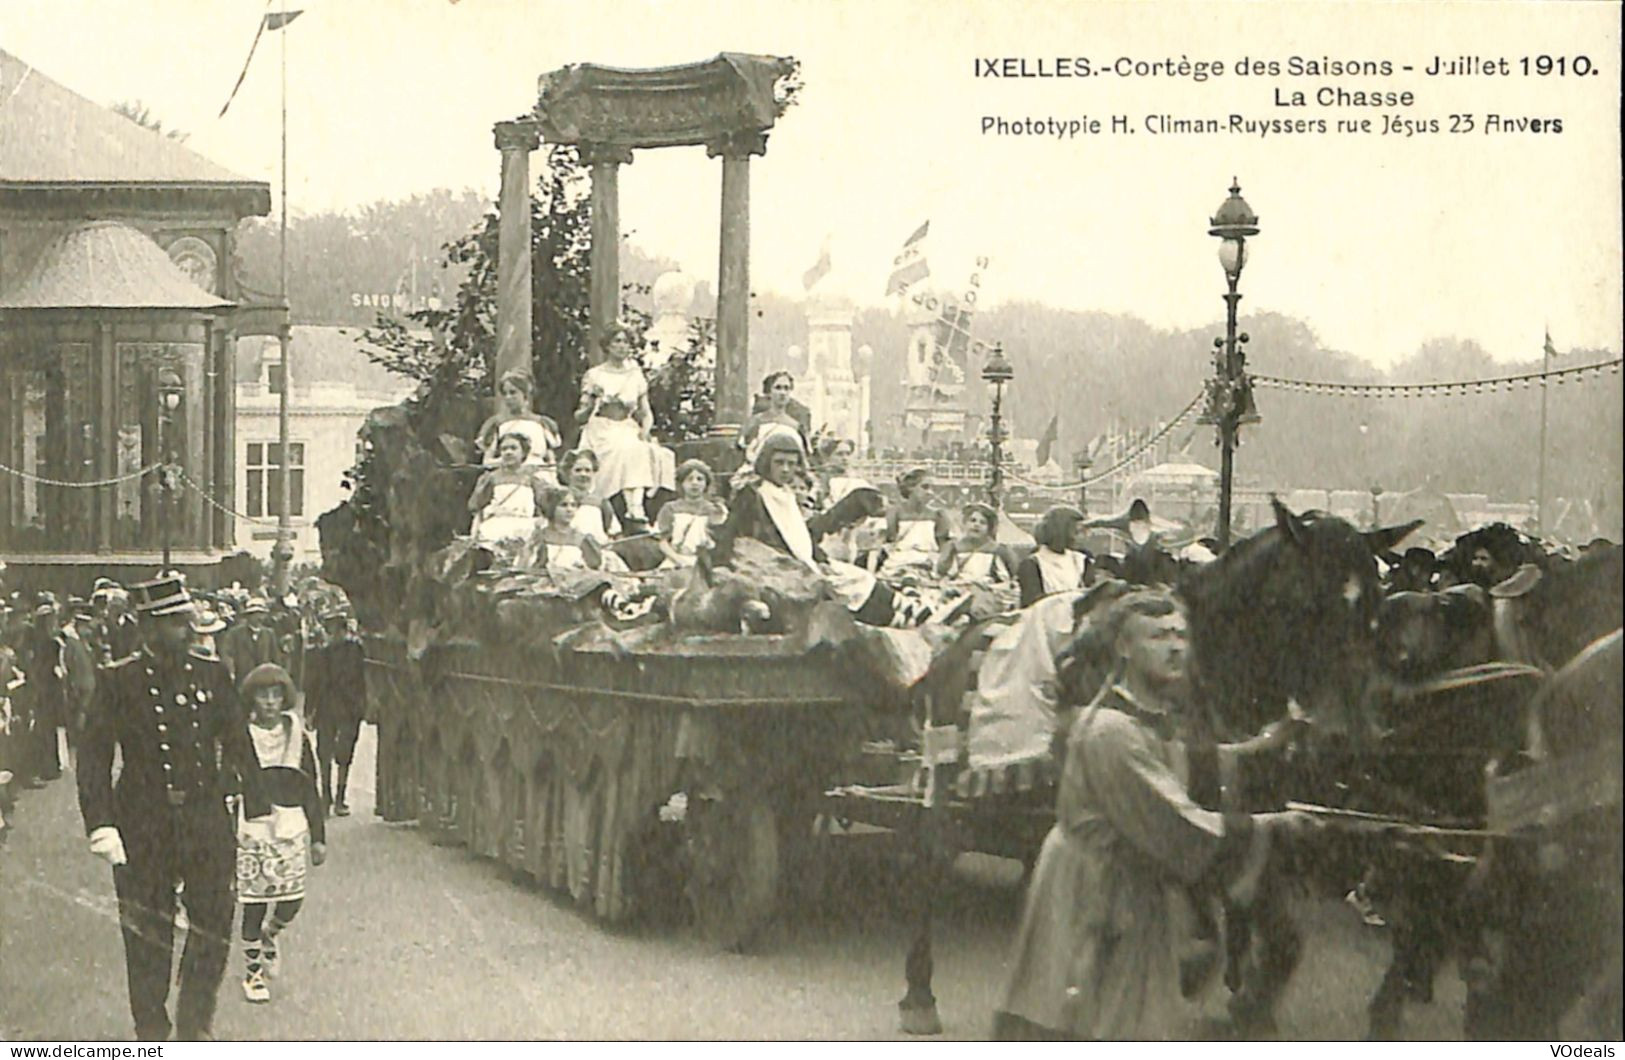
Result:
pixel 1056 565
pixel 578 470
pixel 561 547
pixel 917 530
pixel 514 416
pixel 976 557
pixel 504 499
pixel 684 525
pixel 617 423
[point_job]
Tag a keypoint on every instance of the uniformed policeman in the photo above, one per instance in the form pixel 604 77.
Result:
pixel 176 722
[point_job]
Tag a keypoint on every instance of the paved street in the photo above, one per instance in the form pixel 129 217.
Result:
pixel 401 939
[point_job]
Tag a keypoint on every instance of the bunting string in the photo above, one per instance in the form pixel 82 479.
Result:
pixel 1124 461
pixel 88 484
pixel 189 481
pixel 1578 373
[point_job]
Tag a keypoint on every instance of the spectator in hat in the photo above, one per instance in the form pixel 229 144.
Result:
pixel 337 701
pixel 275 847
pixel 47 692
pixel 206 623
pixel 176 724
pixel 79 654
pixel 120 637
pixel 252 641
pixel 11 683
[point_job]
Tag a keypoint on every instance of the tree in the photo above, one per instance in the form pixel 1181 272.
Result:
pixel 142 115
pixel 346 267
pixel 462 340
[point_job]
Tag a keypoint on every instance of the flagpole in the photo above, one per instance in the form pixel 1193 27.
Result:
pixel 283 557
pixel 1540 480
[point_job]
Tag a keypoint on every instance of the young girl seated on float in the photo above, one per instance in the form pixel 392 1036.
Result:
pixel 578 472
pixel 916 528
pixel 1056 565
pixel 514 416
pixel 684 525
pixel 272 852
pixel 562 547
pixel 975 556
pixel 504 499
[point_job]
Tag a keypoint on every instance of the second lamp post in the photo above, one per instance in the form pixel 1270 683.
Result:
pixel 996 372
pixel 1230 399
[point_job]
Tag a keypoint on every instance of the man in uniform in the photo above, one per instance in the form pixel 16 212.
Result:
pixel 184 743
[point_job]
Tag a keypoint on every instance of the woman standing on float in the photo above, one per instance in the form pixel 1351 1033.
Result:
pixel 776 416
pixel 617 428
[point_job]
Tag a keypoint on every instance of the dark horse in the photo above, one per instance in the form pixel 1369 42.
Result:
pixel 1551 894
pixel 1288 614
pixel 1448 719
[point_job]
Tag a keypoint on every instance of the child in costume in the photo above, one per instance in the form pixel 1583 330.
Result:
pixel 684 525
pixel 975 556
pixel 274 850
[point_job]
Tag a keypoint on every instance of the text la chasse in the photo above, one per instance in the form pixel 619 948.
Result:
pixel 1332 96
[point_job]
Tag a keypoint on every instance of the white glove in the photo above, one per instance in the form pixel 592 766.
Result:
pixel 105 842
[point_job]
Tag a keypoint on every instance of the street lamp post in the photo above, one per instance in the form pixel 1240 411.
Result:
pixel 171 393
pixel 1230 400
pixel 1376 513
pixel 997 372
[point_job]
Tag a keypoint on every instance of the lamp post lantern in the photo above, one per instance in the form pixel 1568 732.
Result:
pixel 171 394
pixel 1229 393
pixel 1084 463
pixel 996 372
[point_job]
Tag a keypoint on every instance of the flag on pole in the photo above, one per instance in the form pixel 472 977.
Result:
pixel 271 20
pixel 1549 349
pixel 1047 442
pixel 810 278
pixel 909 266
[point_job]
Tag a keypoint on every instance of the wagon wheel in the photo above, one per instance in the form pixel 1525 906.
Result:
pixel 734 867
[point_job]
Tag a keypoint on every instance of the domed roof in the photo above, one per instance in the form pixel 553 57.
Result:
pixel 673 293
pixel 107 265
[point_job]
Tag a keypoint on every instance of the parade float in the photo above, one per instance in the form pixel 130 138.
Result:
pixel 606 735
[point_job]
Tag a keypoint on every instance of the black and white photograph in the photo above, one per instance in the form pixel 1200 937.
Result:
pixel 811 521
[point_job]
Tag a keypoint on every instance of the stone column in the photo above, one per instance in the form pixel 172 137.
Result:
pixel 516 140
pixel 733 279
pixel 604 292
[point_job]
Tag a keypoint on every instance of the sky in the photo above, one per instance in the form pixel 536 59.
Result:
pixel 1379 242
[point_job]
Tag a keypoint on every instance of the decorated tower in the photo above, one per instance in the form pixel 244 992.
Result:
pixel 835 388
pixel 935 410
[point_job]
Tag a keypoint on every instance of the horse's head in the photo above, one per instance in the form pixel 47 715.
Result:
pixel 1291 613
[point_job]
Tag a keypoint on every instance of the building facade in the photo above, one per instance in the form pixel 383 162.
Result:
pixel 119 313
pixel 335 388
